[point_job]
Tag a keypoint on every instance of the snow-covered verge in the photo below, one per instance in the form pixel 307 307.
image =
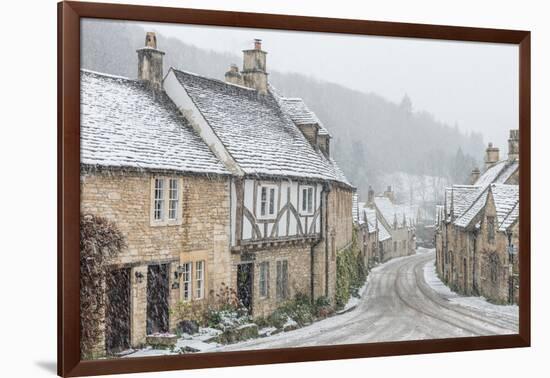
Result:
pixel 478 303
pixel 205 339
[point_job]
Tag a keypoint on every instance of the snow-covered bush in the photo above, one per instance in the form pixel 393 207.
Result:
pixel 351 272
pixel 100 240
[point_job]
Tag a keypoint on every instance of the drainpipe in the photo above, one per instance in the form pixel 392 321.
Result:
pixel 312 259
pixel 326 240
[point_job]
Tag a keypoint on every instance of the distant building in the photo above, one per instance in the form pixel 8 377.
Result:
pixel 477 229
pixel 392 224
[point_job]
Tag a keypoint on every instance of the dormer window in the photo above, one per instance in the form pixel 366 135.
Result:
pixel 306 200
pixel 166 201
pixel 267 201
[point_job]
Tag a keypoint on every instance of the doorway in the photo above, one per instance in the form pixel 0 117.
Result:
pixel 245 280
pixel 157 298
pixel 117 311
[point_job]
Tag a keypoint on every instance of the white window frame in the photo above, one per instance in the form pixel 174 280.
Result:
pixel 187 278
pixel 173 211
pixel 272 195
pixel 310 200
pixel 158 199
pixel 264 278
pixel 167 200
pixel 199 279
pixel 282 291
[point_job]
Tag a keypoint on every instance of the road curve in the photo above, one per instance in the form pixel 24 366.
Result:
pixel 398 305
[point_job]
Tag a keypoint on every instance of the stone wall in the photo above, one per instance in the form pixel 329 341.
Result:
pixel 464 263
pixel 298 257
pixel 202 234
pixel 340 228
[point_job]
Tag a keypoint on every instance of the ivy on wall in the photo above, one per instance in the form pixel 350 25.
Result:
pixel 351 271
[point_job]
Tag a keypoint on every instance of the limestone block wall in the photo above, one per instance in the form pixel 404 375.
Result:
pixel 203 232
pixel 340 230
pixel 298 257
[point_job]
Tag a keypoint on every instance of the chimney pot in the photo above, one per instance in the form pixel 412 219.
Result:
pixel 513 145
pixel 257 44
pixel 491 156
pixel 474 175
pixel 151 40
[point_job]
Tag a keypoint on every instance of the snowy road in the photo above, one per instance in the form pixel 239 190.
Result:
pixel 404 300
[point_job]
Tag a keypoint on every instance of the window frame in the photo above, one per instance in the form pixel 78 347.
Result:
pixel 167 200
pixel 172 200
pixel 272 196
pixel 310 197
pixel 263 280
pixel 199 289
pixel 189 281
pixel 491 229
pixel 282 289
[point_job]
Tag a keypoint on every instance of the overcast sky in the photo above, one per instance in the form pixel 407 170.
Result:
pixel 474 85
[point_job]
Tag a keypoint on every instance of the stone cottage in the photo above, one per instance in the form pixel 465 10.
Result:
pixel 146 170
pixel 210 182
pixel 290 203
pixel 399 220
pixel 476 236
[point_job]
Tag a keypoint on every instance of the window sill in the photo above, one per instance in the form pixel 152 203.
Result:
pixel 177 222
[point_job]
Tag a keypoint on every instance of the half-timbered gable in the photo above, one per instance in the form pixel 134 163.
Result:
pixel 287 193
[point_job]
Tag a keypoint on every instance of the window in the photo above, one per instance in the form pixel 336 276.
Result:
pixel 491 229
pixel 173 199
pixel 264 279
pixel 267 201
pixel 199 277
pixel 159 199
pixel 493 267
pixel 186 278
pixel 166 194
pixel 282 279
pixel 306 200
pixel 395 246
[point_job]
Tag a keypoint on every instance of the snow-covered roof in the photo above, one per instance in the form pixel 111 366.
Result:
pixel 260 136
pixel 298 111
pixel 123 125
pixel 461 198
pixel 370 218
pixel 472 201
pixel 355 208
pixel 404 215
pixel 383 233
pixel 506 198
pixel 473 210
pixel 500 172
pixel 510 219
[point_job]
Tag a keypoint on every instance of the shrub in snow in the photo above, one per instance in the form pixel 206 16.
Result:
pixel 100 240
pixel 351 272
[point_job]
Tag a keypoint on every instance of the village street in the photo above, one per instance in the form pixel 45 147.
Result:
pixel 404 300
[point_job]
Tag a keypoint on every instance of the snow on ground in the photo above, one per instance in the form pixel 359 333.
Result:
pixel 478 303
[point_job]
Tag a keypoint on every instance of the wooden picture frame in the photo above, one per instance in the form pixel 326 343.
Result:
pixel 69 15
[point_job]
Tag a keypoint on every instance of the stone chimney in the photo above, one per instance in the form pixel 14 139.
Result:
pixel 254 68
pixel 491 156
pixel 474 175
pixel 370 197
pixel 150 62
pixel 233 76
pixel 513 145
pixel 389 193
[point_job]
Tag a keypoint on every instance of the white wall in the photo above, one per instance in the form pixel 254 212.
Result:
pixel 28 158
pixel 283 187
